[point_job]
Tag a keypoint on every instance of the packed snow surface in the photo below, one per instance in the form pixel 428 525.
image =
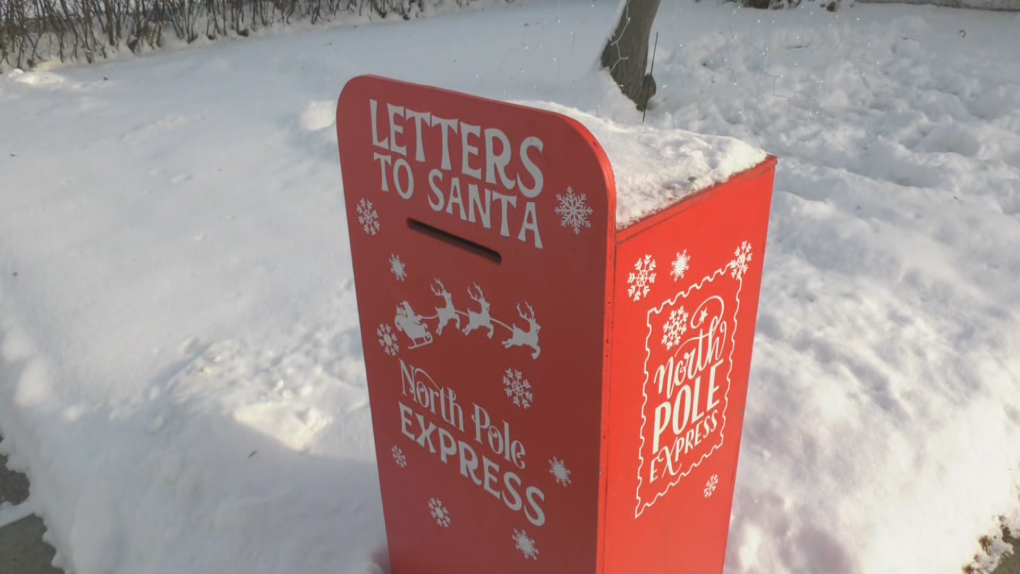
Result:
pixel 655 168
pixel 181 369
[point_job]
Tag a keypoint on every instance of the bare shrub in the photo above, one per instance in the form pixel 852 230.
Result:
pixel 34 31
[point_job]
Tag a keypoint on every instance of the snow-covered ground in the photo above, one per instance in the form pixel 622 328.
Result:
pixel 180 364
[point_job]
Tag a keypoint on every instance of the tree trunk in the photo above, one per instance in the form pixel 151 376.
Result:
pixel 626 53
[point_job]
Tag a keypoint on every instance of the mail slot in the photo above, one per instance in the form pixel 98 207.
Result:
pixel 553 387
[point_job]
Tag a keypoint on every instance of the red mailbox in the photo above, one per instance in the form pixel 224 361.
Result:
pixel 549 393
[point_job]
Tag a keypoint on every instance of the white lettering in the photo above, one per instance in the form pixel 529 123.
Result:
pixel 536 174
pixel 396 128
pixel 468 150
pixel 373 106
pixel 418 118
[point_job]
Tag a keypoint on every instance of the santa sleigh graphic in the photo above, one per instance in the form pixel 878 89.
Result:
pixel 413 325
pixel 410 323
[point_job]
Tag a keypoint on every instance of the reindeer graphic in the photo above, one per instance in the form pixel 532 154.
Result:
pixel 480 319
pixel 447 313
pixel 522 338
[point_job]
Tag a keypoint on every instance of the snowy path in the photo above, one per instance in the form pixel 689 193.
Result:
pixel 180 365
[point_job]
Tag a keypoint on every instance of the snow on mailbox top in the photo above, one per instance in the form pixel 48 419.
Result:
pixel 656 168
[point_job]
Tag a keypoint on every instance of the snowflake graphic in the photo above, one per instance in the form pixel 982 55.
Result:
pixel 399 457
pixel 680 265
pixel 743 256
pixel 641 280
pixel 710 485
pixel 398 268
pixel 387 340
pixel 674 328
pixel 559 470
pixel 573 210
pixel 518 388
pixel 368 217
pixel 439 512
pixel 525 545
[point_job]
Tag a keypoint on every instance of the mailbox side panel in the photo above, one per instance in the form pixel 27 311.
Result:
pixel 481 295
pixel 686 288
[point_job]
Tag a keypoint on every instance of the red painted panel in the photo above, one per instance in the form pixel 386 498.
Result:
pixel 484 359
pixel 687 286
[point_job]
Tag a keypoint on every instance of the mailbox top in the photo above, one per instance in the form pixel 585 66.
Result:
pixel 656 168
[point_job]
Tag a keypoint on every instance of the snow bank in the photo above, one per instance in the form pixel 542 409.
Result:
pixel 180 363
pixel 655 168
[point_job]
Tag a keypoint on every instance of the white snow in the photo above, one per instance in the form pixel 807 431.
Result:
pixel 180 364
pixel 11 513
pixel 655 168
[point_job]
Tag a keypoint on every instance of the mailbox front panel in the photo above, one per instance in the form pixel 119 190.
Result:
pixel 479 235
pixel 687 286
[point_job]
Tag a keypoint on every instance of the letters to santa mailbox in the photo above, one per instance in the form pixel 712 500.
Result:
pixel 549 392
